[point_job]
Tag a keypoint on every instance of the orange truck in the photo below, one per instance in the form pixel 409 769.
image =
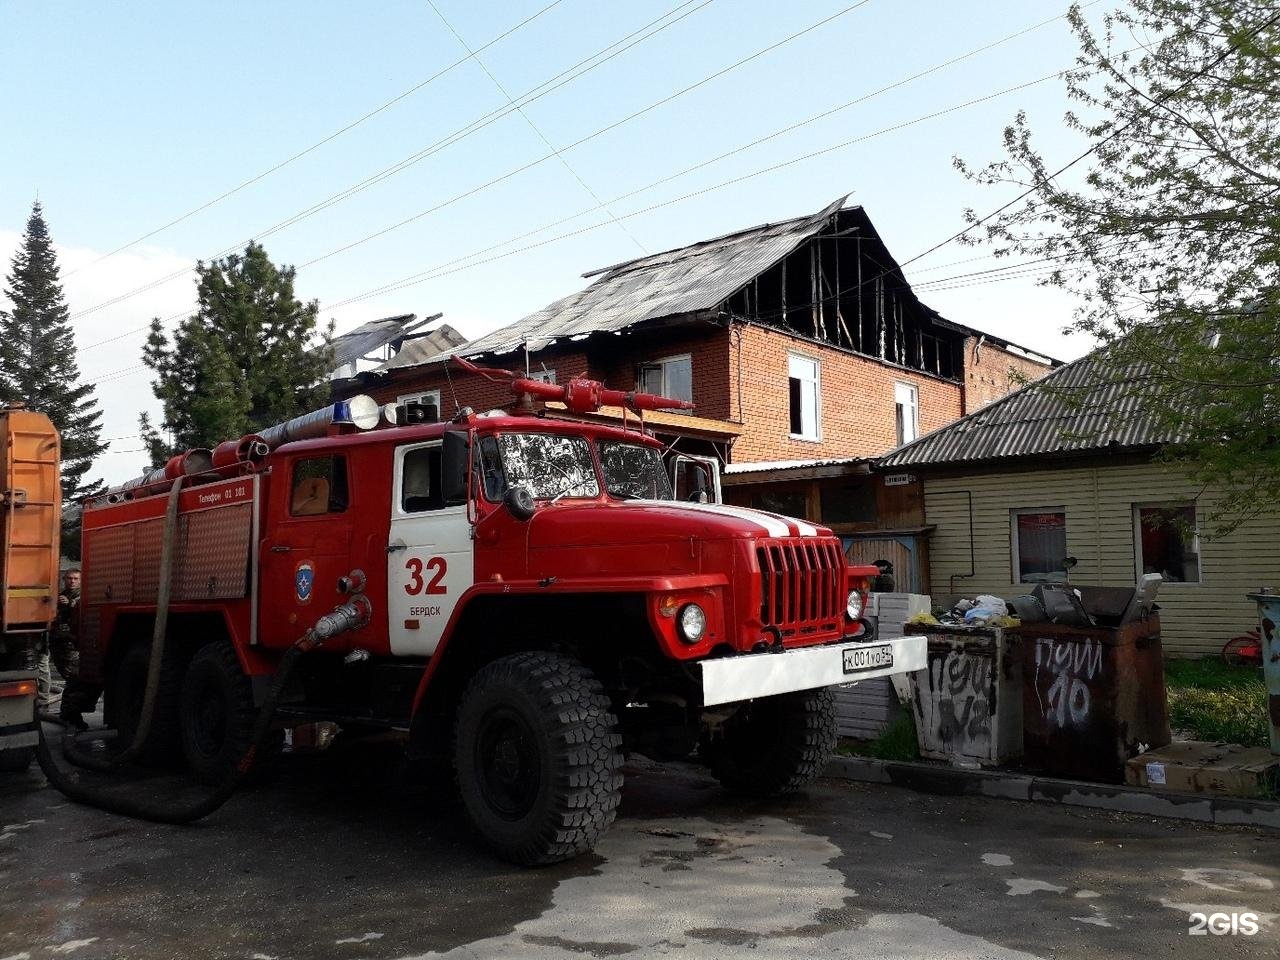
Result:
pixel 30 517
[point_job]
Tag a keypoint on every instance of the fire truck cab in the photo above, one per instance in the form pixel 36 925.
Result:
pixel 539 602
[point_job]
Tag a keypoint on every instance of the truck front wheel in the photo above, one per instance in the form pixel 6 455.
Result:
pixel 537 756
pixel 775 745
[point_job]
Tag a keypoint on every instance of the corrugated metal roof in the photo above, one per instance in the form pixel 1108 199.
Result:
pixel 1089 405
pixel 425 347
pixel 364 339
pixel 681 281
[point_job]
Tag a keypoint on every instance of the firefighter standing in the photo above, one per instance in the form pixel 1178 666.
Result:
pixel 78 697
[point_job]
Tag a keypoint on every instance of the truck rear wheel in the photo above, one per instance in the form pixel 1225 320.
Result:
pixel 122 704
pixel 537 756
pixel 775 745
pixel 217 714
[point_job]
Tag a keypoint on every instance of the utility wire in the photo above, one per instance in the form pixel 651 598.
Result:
pixel 534 127
pixel 441 270
pixel 656 26
pixel 432 273
pixel 452 266
pixel 1044 181
pixel 319 143
pixel 635 114
pixel 613 126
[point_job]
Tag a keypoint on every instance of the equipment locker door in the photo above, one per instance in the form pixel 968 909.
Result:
pixel 430 554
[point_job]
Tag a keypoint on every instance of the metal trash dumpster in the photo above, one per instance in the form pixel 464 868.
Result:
pixel 1269 631
pixel 968 701
pixel 1092 697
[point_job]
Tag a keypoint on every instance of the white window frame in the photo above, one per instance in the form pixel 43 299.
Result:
pixel 542 376
pixel 913 407
pixel 663 364
pixel 431 396
pixel 397 488
pixel 1015 569
pixel 1195 540
pixel 816 437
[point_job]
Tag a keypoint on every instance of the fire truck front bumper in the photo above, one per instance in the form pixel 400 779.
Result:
pixel 752 675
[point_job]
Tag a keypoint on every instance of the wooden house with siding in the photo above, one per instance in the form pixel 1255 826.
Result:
pixel 1066 469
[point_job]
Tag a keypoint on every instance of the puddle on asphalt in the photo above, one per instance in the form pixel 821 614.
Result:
pixel 704 890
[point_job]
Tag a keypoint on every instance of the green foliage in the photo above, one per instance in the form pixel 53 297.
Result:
pixel 898 742
pixel 1168 229
pixel 247 359
pixel 1214 701
pixel 38 356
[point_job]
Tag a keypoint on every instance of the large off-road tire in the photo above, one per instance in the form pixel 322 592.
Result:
pixel 537 756
pixel 122 704
pixel 775 745
pixel 218 714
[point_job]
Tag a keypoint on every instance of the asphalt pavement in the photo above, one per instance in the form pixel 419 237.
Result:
pixel 336 858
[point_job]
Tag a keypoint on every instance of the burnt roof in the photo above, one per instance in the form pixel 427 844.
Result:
pixel 364 339
pixel 422 348
pixel 675 282
pixel 688 283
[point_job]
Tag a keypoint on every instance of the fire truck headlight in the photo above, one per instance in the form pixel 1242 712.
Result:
pixel 853 605
pixel 692 622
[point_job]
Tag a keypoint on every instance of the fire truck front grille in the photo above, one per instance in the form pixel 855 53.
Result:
pixel 802 584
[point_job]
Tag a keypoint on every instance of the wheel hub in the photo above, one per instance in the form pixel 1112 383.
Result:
pixel 509 765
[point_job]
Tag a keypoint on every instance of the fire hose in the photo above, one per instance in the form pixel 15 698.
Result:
pixel 158 634
pixel 346 616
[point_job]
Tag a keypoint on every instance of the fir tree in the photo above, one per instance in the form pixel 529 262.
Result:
pixel 248 358
pixel 38 357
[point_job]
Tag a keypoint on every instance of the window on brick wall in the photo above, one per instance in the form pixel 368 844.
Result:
pixel 804 382
pixel 906 411
pixel 669 377
pixel 542 376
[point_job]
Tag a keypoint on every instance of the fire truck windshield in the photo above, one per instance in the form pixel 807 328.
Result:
pixel 633 472
pixel 548 465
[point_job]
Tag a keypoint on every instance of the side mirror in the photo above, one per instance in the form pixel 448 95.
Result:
pixel 454 460
pixel 519 502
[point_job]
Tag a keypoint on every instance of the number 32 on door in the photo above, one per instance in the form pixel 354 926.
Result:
pixel 425 577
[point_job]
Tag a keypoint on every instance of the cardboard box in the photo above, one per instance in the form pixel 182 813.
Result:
pixel 1194 766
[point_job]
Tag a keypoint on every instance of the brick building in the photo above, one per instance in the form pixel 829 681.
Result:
pixel 801 344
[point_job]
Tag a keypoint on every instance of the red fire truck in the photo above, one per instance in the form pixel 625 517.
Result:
pixel 532 603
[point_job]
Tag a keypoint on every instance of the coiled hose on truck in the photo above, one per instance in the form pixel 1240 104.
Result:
pixel 346 616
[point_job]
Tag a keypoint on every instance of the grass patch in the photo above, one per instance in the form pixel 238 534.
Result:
pixel 1212 700
pixel 898 742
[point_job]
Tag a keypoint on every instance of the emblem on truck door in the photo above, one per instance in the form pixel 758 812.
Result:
pixel 304 578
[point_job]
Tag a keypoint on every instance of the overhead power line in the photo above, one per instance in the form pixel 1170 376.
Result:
pixel 582 67
pixel 451 267
pixel 615 125
pixel 524 114
pixel 318 144
pixel 640 112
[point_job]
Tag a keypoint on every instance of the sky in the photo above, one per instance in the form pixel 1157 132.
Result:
pixel 229 119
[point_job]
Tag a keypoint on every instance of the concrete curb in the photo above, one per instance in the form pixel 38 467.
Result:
pixel 957 781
